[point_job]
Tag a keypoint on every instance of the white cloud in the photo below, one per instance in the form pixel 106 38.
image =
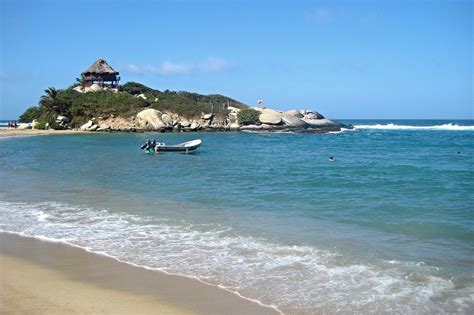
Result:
pixel 169 68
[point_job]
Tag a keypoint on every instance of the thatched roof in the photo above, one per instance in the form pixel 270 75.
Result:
pixel 100 67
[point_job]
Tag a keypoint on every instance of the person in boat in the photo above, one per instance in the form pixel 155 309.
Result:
pixel 146 145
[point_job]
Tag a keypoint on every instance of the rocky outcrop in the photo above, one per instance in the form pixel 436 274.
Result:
pixel 234 127
pixel 268 120
pixel 185 123
pixel 293 122
pixel 321 123
pixel 87 125
pixel 295 113
pixel 167 119
pixel 313 115
pixel 195 126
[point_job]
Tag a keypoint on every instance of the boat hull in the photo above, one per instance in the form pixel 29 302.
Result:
pixel 186 147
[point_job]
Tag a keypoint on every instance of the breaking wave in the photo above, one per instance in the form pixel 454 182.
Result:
pixel 391 126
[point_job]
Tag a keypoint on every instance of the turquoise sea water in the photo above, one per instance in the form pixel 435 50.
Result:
pixel 387 227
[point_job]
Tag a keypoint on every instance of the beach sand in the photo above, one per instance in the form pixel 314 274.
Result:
pixel 39 277
pixel 7 132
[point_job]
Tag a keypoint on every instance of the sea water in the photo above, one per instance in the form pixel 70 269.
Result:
pixel 388 226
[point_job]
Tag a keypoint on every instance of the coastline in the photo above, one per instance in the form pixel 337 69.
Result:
pixel 9 133
pixel 46 277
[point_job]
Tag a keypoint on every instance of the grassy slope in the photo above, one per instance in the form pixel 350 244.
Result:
pixel 80 107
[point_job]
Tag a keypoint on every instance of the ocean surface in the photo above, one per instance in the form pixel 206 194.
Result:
pixel 388 227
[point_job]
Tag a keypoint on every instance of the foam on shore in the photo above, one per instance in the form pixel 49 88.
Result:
pixel 96 282
pixel 296 279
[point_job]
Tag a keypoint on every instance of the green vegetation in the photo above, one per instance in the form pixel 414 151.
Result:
pixel 30 114
pixel 80 107
pixel 135 88
pixel 248 116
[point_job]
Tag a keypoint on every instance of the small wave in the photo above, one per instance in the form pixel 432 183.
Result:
pixel 267 131
pixel 391 126
pixel 342 130
pixel 301 279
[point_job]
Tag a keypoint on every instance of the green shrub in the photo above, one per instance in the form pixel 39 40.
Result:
pixel 80 107
pixel 135 88
pixel 41 123
pixel 248 116
pixel 30 114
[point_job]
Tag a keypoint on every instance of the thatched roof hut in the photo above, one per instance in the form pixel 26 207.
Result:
pixel 102 73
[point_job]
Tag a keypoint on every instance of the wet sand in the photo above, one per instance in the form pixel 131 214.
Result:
pixel 39 277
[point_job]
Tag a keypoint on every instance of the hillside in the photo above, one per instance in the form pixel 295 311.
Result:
pixel 127 101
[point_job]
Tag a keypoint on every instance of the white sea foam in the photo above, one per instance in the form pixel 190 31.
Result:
pixel 343 130
pixel 391 126
pixel 41 216
pixel 294 279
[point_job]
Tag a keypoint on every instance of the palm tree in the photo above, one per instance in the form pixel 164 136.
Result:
pixel 50 104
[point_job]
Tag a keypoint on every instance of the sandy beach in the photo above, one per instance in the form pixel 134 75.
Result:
pixel 7 132
pixel 39 277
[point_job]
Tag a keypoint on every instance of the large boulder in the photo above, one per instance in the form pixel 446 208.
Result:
pixel 322 123
pixel 207 116
pixel 167 119
pixel 234 126
pixel 93 128
pixel 294 112
pixel 95 87
pixel 103 128
pixel 87 125
pixel 195 125
pixel 269 116
pixel 293 122
pixel 24 126
pixel 150 119
pixel 313 115
pixel 185 123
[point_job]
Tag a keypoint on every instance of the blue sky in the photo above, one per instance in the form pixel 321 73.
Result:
pixel 346 59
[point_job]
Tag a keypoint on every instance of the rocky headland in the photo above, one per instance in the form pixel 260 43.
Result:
pixel 137 108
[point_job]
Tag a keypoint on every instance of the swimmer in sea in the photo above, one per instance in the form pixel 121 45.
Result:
pixel 331 158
